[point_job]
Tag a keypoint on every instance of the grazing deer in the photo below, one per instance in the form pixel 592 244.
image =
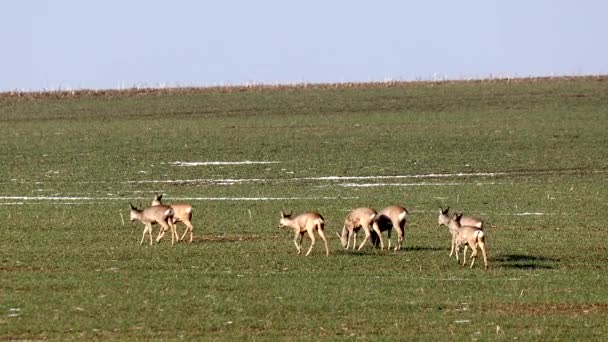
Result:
pixel 391 217
pixel 160 214
pixel 444 219
pixel 182 212
pixel 305 223
pixel 468 236
pixel 355 220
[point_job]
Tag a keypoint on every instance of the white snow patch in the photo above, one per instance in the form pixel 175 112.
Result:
pixel 232 181
pixel 47 198
pixel 207 163
pixel 428 175
pixel 529 214
pixel 369 185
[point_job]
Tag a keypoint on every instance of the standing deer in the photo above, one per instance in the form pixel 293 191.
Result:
pixel 444 219
pixel 160 214
pixel 391 217
pixel 355 220
pixel 305 223
pixel 182 212
pixel 468 236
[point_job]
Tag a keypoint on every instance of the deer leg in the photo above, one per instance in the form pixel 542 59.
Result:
pixel 161 232
pixel 379 233
pixel 354 240
pixel 453 245
pixel 464 255
pixel 189 228
pixel 143 235
pixel 389 238
pixel 150 233
pixel 173 226
pixel 322 235
pixel 367 236
pixel 482 245
pixel 295 241
pixel 399 228
pixel 350 232
pixel 473 254
pixel 312 240
pixel 165 226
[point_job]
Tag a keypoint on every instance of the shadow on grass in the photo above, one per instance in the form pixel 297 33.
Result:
pixel 526 262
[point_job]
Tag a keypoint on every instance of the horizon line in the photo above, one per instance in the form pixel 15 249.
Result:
pixel 252 85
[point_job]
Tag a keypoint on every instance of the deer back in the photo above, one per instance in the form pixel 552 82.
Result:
pixel 471 221
pixel 393 213
pixel 360 217
pixel 309 219
pixel 444 218
pixel 182 211
pixel 157 213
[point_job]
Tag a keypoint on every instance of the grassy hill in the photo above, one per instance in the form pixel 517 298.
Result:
pixel 529 156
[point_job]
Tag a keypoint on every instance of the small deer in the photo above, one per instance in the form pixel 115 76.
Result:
pixel 468 236
pixel 355 220
pixel 305 223
pixel 182 212
pixel 160 214
pixel 444 219
pixel 391 217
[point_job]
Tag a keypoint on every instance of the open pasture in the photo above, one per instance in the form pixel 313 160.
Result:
pixel 528 156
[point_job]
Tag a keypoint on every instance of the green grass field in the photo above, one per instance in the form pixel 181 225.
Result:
pixel 528 156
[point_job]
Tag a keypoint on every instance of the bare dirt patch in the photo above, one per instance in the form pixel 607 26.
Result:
pixel 546 309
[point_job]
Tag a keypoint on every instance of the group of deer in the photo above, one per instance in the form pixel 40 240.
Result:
pixel 466 231
pixel 373 224
pixel 167 216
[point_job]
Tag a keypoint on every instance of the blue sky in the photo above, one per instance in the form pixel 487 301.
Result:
pixel 73 44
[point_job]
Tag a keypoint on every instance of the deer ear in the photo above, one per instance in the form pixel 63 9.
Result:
pixel 282 214
pixel 160 196
pixel 132 207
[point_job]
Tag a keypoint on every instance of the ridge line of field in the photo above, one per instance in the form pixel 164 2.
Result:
pixel 258 87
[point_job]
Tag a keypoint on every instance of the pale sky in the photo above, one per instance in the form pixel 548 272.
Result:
pixel 76 44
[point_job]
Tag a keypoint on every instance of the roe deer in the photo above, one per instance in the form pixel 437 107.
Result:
pixel 394 216
pixel 182 212
pixel 355 220
pixel 444 219
pixel 160 214
pixel 305 223
pixel 468 236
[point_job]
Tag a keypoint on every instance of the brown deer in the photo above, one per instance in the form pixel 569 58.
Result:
pixel 305 223
pixel 160 214
pixel 182 212
pixel 444 219
pixel 468 236
pixel 394 216
pixel 354 221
